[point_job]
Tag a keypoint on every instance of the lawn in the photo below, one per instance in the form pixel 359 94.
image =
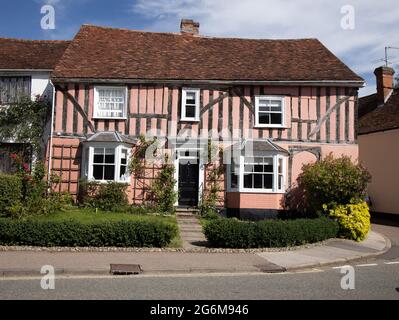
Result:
pixel 88 216
pixel 85 215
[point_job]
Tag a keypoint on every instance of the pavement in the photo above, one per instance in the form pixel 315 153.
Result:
pixel 335 251
pixel 190 229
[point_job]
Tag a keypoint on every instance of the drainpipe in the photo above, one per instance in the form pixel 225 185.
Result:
pixel 50 156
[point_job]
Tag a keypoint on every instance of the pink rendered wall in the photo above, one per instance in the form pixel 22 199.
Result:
pixel 253 200
pixel 379 153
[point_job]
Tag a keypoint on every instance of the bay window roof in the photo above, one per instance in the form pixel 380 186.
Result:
pixel 113 136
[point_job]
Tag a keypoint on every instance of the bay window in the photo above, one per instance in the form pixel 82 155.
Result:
pixel 258 173
pixel 109 102
pixel 107 163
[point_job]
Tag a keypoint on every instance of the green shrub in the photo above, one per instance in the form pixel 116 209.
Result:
pixel 233 233
pixel 162 191
pixel 123 233
pixel 333 181
pixel 109 196
pixel 353 219
pixel 10 192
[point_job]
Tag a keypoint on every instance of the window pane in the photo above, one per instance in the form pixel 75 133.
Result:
pixel 234 181
pixel 109 172
pixel 124 157
pixel 276 108
pixel 267 181
pixel 248 168
pixel 264 108
pixel 275 102
pixel 98 150
pixel 190 111
pixel 109 158
pixel 264 118
pixel 268 168
pixel 280 165
pixel 98 172
pixel 275 118
pixel 258 168
pixel 257 181
pixel 280 182
pixel 190 97
pixel 98 158
pixel 248 181
pixel 122 171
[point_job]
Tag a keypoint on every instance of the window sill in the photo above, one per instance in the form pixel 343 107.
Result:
pixel 257 191
pixel 274 126
pixel 189 120
pixel 109 118
pixel 107 181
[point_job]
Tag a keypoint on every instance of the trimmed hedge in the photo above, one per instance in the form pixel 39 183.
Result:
pixel 72 233
pixel 233 233
pixel 10 192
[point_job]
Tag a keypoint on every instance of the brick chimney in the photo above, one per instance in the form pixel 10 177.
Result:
pixel 384 77
pixel 189 26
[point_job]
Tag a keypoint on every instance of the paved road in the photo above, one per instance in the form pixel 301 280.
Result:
pixel 379 281
pixel 374 279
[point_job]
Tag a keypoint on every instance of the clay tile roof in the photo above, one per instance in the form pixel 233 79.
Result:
pixel 30 54
pixel 382 118
pixel 108 53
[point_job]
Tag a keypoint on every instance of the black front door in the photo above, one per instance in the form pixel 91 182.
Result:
pixel 188 182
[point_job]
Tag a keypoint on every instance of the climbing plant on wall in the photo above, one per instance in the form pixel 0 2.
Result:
pixel 25 122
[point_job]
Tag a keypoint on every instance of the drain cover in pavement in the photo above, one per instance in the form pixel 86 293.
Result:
pixel 270 268
pixel 125 269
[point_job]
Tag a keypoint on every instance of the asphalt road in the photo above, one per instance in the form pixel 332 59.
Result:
pixel 374 279
pixel 379 281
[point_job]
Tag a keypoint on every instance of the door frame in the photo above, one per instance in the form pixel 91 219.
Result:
pixel 201 170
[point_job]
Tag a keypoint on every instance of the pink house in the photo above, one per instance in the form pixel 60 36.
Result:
pixel 271 105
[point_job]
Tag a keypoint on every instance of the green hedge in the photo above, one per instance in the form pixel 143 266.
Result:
pixel 233 233
pixel 72 233
pixel 10 192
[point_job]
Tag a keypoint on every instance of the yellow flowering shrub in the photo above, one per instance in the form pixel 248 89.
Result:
pixel 353 219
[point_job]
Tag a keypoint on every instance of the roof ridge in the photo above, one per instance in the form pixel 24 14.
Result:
pixel 195 36
pixel 34 40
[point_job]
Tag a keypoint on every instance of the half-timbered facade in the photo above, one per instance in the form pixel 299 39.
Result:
pixel 270 105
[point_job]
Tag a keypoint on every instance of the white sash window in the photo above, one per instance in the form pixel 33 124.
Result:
pixel 269 111
pixel 110 102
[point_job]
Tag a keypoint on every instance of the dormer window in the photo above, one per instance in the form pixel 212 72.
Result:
pixel 190 104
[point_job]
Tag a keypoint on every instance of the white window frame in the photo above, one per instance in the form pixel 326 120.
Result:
pixel 96 101
pixel 118 152
pixel 197 104
pixel 275 188
pixel 262 125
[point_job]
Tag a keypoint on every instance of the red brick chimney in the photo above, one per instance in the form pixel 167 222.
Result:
pixel 384 77
pixel 189 26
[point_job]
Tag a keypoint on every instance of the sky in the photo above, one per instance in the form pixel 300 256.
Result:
pixel 357 31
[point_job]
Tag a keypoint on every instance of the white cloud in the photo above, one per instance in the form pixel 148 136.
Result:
pixel 376 24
